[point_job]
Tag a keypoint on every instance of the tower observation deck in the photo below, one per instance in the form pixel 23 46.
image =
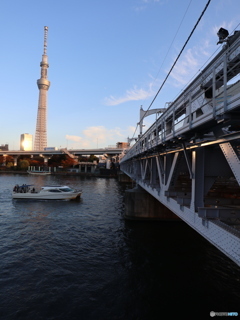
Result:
pixel 40 141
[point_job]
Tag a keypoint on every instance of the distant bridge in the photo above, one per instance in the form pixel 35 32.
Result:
pixel 189 158
pixel 75 152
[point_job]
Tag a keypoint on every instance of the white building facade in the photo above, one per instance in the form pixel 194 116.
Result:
pixel 26 142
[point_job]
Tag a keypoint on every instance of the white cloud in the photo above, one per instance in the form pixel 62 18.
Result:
pixel 184 68
pixel 76 141
pixel 190 63
pixel 98 137
pixel 196 57
pixel 134 94
pixel 145 3
pixel 73 138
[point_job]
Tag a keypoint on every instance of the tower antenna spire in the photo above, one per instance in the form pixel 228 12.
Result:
pixel 45 40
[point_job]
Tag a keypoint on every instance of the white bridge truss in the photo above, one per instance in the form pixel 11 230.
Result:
pixel 189 158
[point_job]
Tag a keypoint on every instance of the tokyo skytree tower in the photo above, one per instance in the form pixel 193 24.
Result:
pixel 40 141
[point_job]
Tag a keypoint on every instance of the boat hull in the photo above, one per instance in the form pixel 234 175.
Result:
pixel 41 173
pixel 40 196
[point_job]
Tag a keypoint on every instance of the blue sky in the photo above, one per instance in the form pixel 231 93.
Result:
pixel 106 59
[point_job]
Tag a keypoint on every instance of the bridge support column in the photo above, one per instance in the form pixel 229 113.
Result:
pixel 140 205
pixel 4 160
pixel 45 159
pixel 15 161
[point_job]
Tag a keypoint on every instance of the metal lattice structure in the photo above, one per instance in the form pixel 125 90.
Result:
pixel 189 158
pixel 40 141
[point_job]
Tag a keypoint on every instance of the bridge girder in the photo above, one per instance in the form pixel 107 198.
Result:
pixel 207 196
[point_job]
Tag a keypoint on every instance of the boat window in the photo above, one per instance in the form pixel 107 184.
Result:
pixel 54 190
pixel 65 189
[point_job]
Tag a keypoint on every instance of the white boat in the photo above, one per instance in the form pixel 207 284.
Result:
pixel 45 193
pixel 39 172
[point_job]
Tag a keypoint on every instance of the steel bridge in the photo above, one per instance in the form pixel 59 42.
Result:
pixel 189 158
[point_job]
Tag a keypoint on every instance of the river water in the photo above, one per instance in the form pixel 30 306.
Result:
pixel 82 260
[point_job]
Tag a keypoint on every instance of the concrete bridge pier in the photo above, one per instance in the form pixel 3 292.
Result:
pixel 15 158
pixel 4 160
pixel 141 205
pixel 45 160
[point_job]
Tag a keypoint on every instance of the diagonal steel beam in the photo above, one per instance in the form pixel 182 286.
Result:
pixel 232 159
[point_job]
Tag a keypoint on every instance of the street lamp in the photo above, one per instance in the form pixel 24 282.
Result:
pixel 222 35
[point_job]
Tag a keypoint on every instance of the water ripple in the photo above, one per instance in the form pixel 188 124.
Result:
pixel 82 260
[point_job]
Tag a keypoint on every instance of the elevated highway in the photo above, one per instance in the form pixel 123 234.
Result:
pixel 74 152
pixel 189 158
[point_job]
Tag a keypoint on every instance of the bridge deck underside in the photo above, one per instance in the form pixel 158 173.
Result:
pixel 200 187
